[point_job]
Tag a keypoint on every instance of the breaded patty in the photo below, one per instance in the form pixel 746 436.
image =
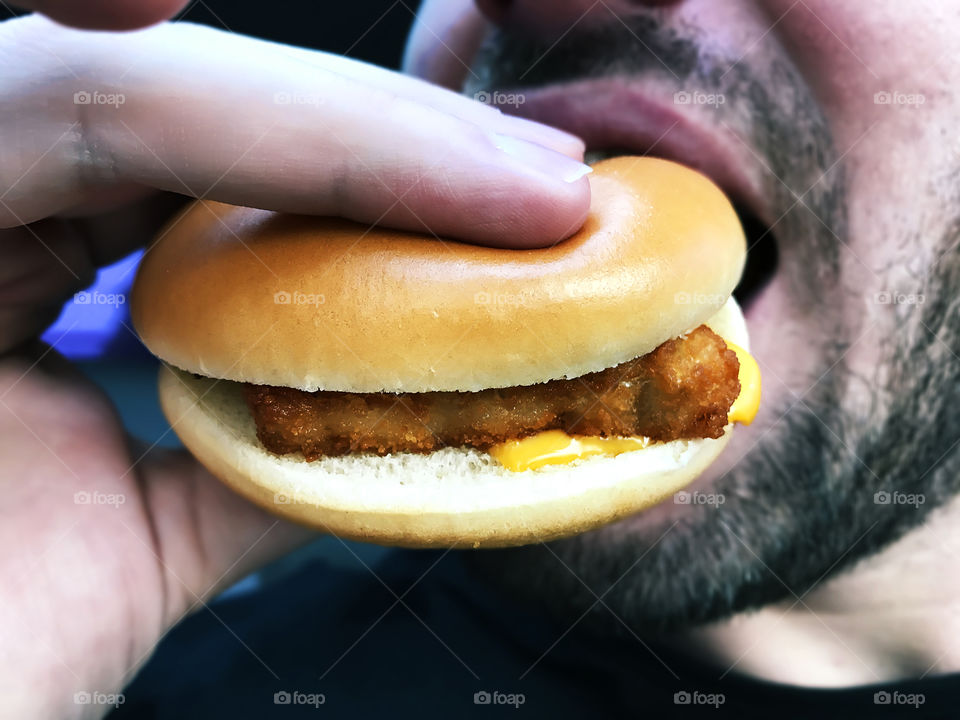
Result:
pixel 682 389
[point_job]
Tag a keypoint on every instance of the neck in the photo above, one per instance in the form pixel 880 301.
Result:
pixel 893 616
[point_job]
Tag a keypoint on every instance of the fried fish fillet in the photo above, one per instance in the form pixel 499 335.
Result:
pixel 682 389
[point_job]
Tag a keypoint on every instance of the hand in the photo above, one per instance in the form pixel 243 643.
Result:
pixel 92 129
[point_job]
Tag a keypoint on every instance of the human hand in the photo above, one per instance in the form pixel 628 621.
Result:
pixel 96 132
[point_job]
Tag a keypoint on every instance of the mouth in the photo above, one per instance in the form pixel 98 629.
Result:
pixel 616 116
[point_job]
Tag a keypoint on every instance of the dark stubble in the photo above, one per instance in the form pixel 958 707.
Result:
pixel 801 505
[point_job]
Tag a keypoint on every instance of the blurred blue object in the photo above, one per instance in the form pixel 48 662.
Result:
pixel 94 329
pixel 95 323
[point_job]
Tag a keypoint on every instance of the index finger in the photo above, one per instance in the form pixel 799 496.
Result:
pixel 211 114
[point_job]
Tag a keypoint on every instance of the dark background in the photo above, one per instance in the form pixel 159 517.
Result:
pixel 371 30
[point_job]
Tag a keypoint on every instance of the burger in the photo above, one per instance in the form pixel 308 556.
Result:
pixel 397 388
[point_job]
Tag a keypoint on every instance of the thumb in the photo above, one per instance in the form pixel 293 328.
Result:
pixel 207 536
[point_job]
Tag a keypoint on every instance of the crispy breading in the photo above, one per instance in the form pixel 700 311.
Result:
pixel 683 389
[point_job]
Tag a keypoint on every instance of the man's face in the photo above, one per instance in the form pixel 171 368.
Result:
pixel 830 126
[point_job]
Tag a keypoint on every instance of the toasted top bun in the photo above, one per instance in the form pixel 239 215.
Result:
pixel 454 497
pixel 323 303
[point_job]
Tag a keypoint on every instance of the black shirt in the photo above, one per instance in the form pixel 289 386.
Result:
pixel 419 636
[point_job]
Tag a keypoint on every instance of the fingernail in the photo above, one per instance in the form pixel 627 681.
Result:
pixel 544 159
pixel 545 135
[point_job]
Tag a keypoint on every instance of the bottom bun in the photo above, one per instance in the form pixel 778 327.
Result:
pixel 454 497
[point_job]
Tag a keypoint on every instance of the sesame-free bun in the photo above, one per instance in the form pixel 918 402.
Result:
pixel 455 497
pixel 324 303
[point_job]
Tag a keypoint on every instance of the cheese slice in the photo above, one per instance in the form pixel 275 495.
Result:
pixel 555 447
pixel 744 408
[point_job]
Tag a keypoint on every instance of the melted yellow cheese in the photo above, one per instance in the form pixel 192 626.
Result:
pixel 555 447
pixel 744 408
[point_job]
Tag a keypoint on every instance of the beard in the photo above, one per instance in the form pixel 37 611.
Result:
pixel 803 503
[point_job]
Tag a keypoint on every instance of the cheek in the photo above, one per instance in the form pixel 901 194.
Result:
pixel 849 51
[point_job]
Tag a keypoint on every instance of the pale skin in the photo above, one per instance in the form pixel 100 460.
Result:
pixel 895 616
pixel 90 589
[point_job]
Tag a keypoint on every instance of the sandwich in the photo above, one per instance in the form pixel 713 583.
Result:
pixel 397 388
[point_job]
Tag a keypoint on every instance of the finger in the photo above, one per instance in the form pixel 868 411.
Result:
pixel 209 536
pixel 94 585
pixel 470 109
pixel 211 114
pixel 106 14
